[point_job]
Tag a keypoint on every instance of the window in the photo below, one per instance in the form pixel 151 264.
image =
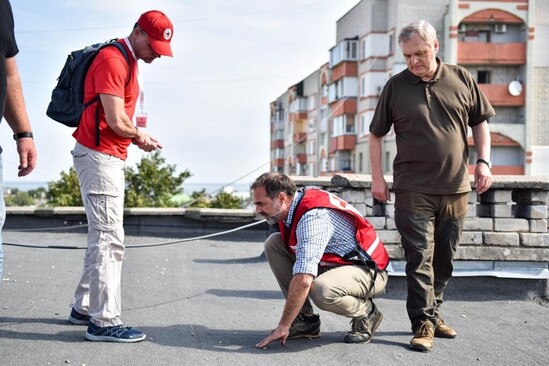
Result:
pixel 483 77
pixel 364 122
pixel 362 125
pixel 324 139
pixel 343 125
pixel 312 125
pixel 280 114
pixel 360 161
pixel 311 147
pixel 312 102
pixel 346 50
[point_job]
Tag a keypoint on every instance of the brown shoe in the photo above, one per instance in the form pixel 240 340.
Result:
pixel 423 337
pixel 444 331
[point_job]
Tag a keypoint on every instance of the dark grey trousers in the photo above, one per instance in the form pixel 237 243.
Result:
pixel 430 227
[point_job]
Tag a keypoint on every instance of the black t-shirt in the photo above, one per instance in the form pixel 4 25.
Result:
pixel 8 47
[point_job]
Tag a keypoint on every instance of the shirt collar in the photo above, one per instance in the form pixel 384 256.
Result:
pixel 293 205
pixel 413 79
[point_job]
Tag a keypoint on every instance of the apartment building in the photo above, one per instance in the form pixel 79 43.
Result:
pixel 319 126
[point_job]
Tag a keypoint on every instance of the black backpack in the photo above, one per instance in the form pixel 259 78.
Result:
pixel 67 99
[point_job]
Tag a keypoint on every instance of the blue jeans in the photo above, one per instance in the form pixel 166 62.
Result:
pixel 2 215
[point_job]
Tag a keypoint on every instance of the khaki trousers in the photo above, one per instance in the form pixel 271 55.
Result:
pixel 102 183
pixel 344 290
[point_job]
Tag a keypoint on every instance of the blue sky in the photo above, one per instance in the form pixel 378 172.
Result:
pixel 209 104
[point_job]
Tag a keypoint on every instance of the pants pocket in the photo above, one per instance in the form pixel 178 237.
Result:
pixel 103 212
pixel 78 153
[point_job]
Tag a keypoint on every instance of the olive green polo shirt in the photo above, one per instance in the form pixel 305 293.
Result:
pixel 430 121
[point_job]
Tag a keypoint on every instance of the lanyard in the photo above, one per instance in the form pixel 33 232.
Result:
pixel 139 79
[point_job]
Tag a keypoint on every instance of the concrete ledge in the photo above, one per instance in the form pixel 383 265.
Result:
pixel 510 269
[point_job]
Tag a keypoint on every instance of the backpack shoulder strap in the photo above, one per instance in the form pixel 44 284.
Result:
pixel 124 52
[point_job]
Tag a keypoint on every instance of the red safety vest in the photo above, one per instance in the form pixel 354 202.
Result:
pixel 366 235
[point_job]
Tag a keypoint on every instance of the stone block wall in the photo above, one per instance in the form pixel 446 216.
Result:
pixel 507 223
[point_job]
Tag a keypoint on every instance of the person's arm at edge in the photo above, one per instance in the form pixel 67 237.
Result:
pixel 483 175
pixel 380 189
pixel 17 118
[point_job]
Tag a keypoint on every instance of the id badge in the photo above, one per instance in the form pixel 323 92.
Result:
pixel 141 120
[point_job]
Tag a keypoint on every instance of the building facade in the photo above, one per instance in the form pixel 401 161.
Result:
pixel 320 125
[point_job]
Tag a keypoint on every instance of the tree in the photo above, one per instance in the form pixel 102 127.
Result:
pixel 154 183
pixel 200 199
pixel 66 191
pixel 19 198
pixel 226 200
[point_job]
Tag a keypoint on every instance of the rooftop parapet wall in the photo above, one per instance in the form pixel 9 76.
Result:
pixel 507 223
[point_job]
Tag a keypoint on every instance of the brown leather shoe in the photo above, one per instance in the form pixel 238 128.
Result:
pixel 423 337
pixel 444 331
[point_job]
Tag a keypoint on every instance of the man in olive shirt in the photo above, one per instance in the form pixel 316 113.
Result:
pixel 430 105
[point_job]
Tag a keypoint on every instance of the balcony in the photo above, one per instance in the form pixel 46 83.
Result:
pixel 278 163
pixel 501 169
pixel 300 137
pixel 479 53
pixel 348 68
pixel 344 106
pixel 277 144
pixel 343 142
pixel 498 95
pixel 296 116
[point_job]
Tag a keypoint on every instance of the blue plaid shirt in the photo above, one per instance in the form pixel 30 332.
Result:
pixel 320 230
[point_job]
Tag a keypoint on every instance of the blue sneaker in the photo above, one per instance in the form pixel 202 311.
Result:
pixel 117 333
pixel 79 319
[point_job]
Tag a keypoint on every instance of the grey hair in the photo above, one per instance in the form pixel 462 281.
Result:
pixel 421 27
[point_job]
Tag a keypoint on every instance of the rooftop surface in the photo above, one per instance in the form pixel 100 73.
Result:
pixel 208 302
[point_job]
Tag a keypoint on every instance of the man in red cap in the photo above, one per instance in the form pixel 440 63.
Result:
pixel 105 131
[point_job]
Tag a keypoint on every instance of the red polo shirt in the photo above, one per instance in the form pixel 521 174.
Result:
pixel 108 74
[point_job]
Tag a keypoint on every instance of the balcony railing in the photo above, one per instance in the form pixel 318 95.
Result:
pixel 277 144
pixel 298 116
pixel 300 137
pixel 498 95
pixel 349 68
pixel 344 106
pixel 474 53
pixel 278 163
pixel 344 142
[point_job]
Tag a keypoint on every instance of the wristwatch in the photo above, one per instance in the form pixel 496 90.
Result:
pixel 21 135
pixel 489 163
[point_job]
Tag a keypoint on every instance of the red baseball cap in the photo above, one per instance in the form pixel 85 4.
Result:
pixel 159 29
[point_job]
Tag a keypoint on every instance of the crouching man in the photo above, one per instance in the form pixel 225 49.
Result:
pixel 325 252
